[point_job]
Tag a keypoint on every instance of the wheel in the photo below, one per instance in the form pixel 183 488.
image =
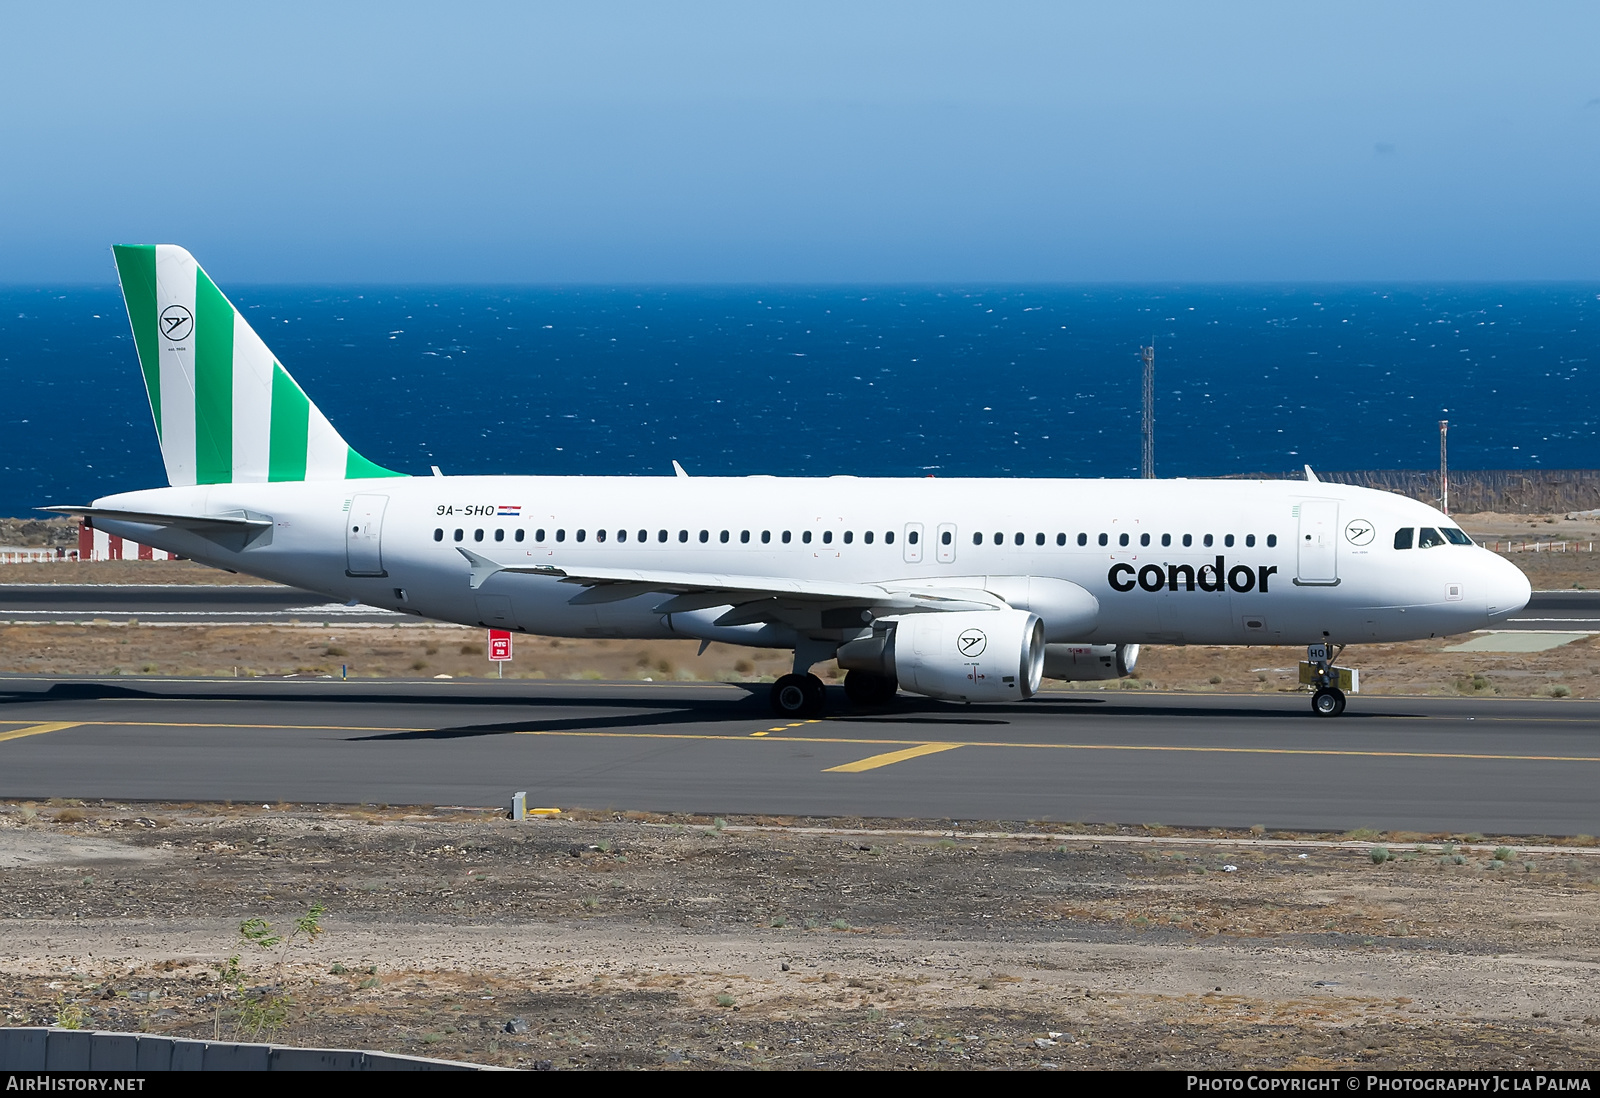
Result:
pixel 798 696
pixel 868 690
pixel 1328 701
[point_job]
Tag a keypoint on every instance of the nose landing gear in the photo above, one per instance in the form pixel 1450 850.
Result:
pixel 1327 700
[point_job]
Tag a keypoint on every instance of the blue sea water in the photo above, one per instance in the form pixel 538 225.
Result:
pixel 1041 381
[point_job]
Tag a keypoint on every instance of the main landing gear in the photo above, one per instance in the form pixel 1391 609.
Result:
pixel 1327 700
pixel 798 696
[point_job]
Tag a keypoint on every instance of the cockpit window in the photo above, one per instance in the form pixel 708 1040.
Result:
pixel 1402 537
pixel 1428 537
pixel 1454 536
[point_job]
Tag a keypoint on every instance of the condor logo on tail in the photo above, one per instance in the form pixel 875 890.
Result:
pixel 1208 577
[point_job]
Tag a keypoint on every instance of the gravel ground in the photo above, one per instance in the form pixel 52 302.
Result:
pixel 642 941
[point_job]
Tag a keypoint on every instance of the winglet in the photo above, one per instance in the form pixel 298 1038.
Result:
pixel 677 470
pixel 482 567
pixel 1311 478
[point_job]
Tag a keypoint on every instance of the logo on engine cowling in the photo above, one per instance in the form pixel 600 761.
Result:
pixel 972 642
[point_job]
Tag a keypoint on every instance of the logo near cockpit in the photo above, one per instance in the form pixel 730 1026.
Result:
pixel 1208 577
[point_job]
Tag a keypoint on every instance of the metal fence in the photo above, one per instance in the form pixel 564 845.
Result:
pixel 41 1049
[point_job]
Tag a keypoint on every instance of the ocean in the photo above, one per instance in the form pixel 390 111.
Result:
pixel 874 381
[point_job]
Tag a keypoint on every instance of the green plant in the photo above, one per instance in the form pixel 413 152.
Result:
pixel 839 924
pixel 719 823
pixel 337 969
pixel 590 903
pixel 263 1015
pixel 369 983
pixel 724 999
pixel 1559 691
pixel 69 1015
pixel 779 922
pixel 1380 854
pixel 1214 679
pixel 1504 853
pixel 812 924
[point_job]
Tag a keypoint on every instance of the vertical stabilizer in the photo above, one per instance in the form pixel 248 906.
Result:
pixel 226 411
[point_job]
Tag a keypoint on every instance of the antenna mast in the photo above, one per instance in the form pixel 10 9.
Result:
pixel 1147 433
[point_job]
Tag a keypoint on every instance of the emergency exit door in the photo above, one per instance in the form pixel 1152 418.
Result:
pixel 363 536
pixel 1318 564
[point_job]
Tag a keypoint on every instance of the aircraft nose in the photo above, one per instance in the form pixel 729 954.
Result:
pixel 1508 590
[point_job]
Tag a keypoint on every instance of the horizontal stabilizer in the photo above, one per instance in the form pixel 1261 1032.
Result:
pixel 154 518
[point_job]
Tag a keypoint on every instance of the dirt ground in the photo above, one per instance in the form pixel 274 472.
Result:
pixel 431 651
pixel 634 941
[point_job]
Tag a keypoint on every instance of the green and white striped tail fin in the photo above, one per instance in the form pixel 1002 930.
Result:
pixel 226 411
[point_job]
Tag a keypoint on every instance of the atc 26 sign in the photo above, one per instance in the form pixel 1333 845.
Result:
pixel 499 645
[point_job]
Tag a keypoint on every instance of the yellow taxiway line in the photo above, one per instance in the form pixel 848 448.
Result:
pixel 872 762
pixel 859 741
pixel 37 730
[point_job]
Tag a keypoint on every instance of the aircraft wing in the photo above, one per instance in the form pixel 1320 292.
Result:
pixel 701 590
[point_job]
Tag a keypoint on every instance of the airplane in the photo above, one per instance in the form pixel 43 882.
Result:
pixel 968 590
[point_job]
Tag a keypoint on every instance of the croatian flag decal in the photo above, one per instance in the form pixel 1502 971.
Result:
pixel 512 511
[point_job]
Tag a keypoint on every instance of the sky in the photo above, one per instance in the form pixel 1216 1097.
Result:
pixel 804 143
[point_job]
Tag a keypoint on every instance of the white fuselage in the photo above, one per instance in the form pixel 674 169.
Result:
pixel 1298 560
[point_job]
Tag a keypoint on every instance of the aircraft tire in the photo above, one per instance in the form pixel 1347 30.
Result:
pixel 798 696
pixel 1328 701
pixel 869 691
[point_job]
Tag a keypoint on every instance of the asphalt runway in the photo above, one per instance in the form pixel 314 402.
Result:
pixel 242 604
pixel 179 604
pixel 1456 765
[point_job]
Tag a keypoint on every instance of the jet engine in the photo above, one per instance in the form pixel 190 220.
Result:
pixel 1084 662
pixel 974 655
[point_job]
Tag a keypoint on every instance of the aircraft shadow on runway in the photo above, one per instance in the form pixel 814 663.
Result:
pixel 666 711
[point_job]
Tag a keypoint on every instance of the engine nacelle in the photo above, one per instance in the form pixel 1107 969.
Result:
pixel 1085 662
pixel 973 655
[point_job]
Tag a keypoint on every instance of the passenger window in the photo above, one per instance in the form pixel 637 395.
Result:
pixel 1038 539
pixel 1122 540
pixel 458 534
pixel 1272 541
pixel 438 535
pixel 1402 537
pixel 723 537
pixel 744 537
pixel 538 536
pixel 848 537
pixel 599 535
pixel 683 535
pixel 1228 541
pixel 911 537
pixel 644 536
pixel 499 535
pixel 945 538
pixel 1103 539
pixel 1454 536
pixel 520 534
pixel 661 535
pixel 622 535
pixel 1083 539
pixel 786 537
pixel 705 536
pixel 1061 539
pixel 582 534
pixel 766 537
pixel 867 537
pixel 561 535
pixel 1166 539
pixel 827 537
pixel 1188 540
pixel 999 539
pixel 1208 540
pixel 1144 539
pixel 1019 539
pixel 477 535
pixel 806 537
pixel 1428 537
pixel 888 537
pixel 1249 541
